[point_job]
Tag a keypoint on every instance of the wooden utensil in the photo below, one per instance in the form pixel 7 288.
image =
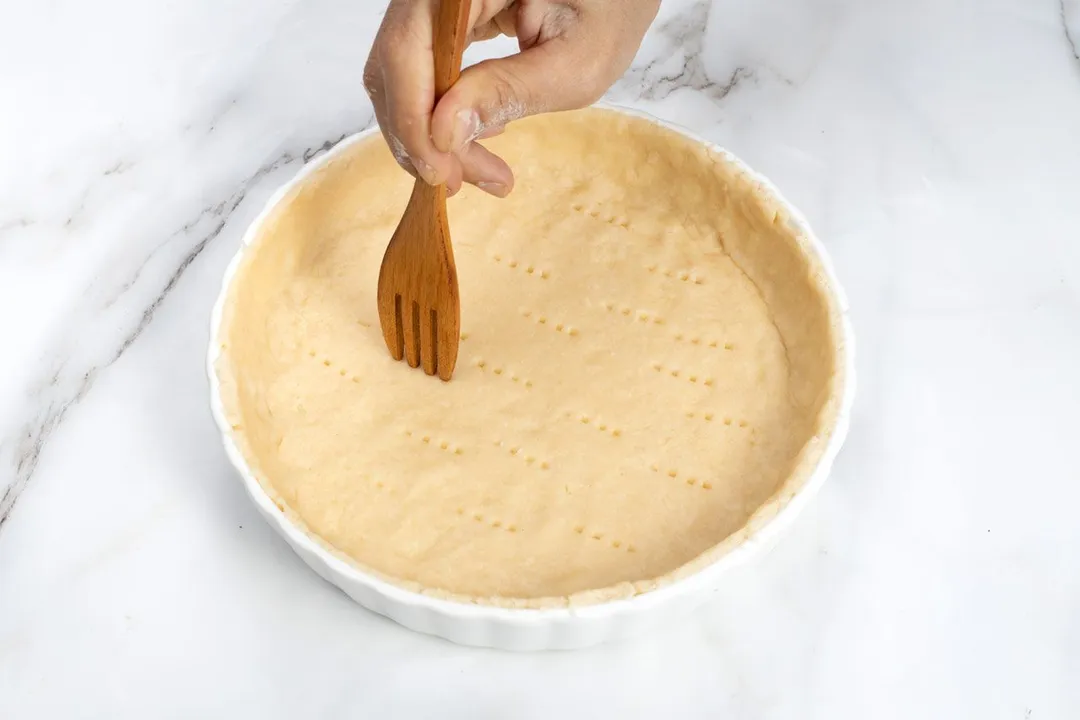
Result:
pixel 419 307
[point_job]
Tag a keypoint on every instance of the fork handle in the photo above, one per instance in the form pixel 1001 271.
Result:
pixel 451 28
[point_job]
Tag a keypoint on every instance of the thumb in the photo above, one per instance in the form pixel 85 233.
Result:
pixel 548 77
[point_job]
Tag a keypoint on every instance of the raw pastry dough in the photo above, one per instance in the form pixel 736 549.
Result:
pixel 649 356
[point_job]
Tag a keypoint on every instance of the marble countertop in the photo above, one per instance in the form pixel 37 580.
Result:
pixel 934 145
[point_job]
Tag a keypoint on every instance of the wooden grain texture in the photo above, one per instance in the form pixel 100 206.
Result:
pixel 419 305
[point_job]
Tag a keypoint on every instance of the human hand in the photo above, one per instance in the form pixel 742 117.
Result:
pixel 571 53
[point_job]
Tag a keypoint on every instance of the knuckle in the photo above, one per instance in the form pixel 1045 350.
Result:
pixel 510 96
pixel 372 76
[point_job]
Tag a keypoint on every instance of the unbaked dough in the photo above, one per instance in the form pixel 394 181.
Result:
pixel 649 356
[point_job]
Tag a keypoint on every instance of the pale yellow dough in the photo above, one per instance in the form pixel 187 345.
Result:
pixel 649 357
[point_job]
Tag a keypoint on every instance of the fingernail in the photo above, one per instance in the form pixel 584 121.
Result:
pixel 451 192
pixel 494 188
pixel 425 171
pixel 466 128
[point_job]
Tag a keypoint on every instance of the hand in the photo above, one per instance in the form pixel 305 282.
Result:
pixel 571 53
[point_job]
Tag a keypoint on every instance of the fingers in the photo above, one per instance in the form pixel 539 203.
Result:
pixel 495 92
pixel 399 78
pixel 570 56
pixel 502 23
pixel 480 167
pixel 485 170
pixel 571 52
pixel 454 179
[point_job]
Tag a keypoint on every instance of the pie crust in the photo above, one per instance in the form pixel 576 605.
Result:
pixel 651 364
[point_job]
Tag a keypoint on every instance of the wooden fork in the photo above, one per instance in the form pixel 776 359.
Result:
pixel 419 307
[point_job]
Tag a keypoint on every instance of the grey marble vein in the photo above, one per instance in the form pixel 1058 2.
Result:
pixel 226 108
pixel 32 438
pixel 1069 38
pixel 119 168
pixel 75 216
pixel 15 224
pixel 685 34
pixel 35 433
pixel 313 152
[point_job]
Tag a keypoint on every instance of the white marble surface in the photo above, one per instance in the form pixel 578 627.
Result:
pixel 934 144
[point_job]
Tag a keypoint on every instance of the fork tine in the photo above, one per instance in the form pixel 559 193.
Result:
pixel 411 331
pixel 418 263
pixel 447 334
pixel 429 343
pixel 395 341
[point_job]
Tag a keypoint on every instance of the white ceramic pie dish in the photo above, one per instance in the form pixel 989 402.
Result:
pixel 530 629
